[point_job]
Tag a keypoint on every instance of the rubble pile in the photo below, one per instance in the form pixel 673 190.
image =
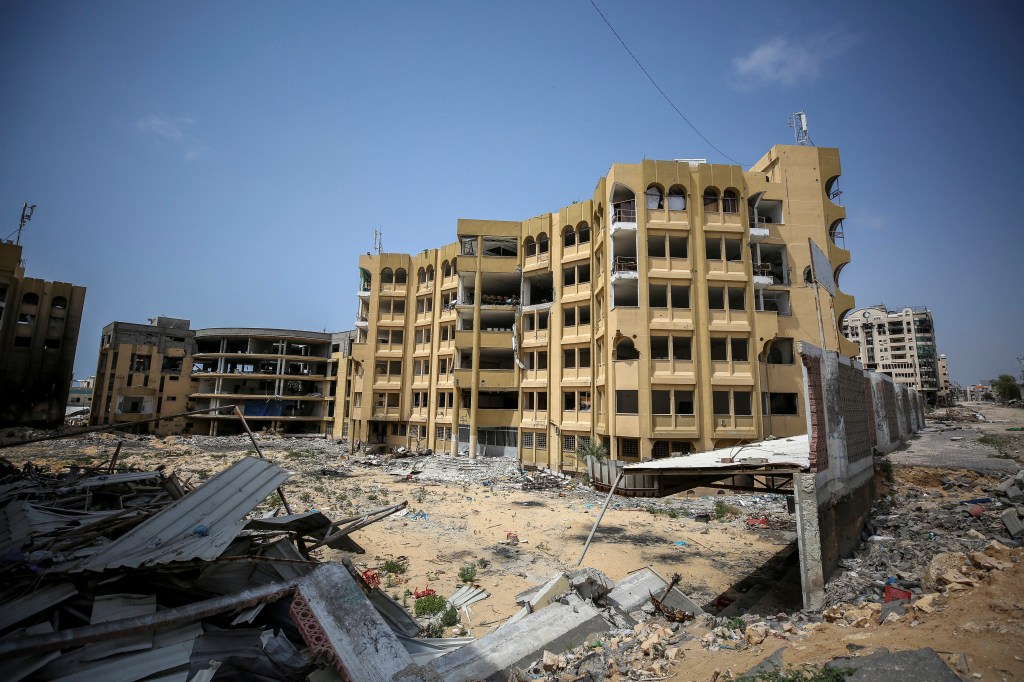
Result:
pixel 545 479
pixel 910 527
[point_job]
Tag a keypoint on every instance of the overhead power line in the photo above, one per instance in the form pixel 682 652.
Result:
pixel 658 87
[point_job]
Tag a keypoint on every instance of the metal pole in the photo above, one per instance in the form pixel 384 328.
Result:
pixel 600 516
pixel 256 445
pixel 113 460
pixel 110 427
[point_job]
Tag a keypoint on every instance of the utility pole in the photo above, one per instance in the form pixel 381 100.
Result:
pixel 26 215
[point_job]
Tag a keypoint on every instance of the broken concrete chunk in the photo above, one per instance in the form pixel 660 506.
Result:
pixel 1015 494
pixel 591 583
pixel 756 633
pixel 1013 524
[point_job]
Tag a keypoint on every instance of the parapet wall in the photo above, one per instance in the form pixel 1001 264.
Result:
pixel 851 413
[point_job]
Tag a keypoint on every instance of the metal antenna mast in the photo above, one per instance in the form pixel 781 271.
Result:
pixel 26 215
pixel 378 243
pixel 798 122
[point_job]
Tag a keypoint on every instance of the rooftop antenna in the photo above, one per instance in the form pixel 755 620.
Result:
pixel 26 215
pixel 378 244
pixel 798 122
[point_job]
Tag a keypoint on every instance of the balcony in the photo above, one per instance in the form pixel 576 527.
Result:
pixel 624 267
pixel 763 275
pixel 624 215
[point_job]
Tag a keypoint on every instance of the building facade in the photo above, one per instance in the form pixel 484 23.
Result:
pixel 283 380
pixel 39 324
pixel 900 343
pixel 659 316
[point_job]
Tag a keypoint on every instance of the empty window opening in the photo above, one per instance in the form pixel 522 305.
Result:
pixel 625 350
pixel 780 352
pixel 677 247
pixel 734 249
pixel 711 200
pixel 680 296
pixel 737 298
pixel 716 298
pixel 781 404
pixel 659 348
pixel 627 402
pixel 657 295
pixel 500 247
pixel 682 348
pixel 739 350
pixel 656 246
pixel 730 201
pixel 468 245
pixel 59 303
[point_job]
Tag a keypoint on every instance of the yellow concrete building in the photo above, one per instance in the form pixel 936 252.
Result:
pixel 39 324
pixel 284 380
pixel 659 316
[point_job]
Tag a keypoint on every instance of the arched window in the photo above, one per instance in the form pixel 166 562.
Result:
pixel 542 243
pixel 568 237
pixel 455 266
pixel 711 200
pixel 387 276
pixel 421 276
pixel 676 198
pixel 655 197
pixel 731 201
pixel 400 276
pixel 529 247
pixel 623 204
pixel 583 233
pixel 59 303
pixel 446 269
pixel 430 273
pixel 625 350
pixel 30 299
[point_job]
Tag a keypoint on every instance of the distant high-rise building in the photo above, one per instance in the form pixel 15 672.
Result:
pixel 39 323
pixel 900 343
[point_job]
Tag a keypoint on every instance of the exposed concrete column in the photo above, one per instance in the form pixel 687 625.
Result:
pixel 474 394
pixel 700 344
pixel 812 577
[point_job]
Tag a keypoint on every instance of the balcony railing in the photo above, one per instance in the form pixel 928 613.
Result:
pixel 624 264
pixel 624 213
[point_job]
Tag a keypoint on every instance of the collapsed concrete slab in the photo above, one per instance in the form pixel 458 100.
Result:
pixel 635 590
pixel 918 665
pixel 556 627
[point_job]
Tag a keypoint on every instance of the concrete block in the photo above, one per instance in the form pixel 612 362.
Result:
pixel 555 628
pixel 1013 524
pixel 1015 494
pixel 635 590
pixel 557 585
pixel 590 583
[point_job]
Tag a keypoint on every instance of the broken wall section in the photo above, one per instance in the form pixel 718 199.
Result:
pixel 851 413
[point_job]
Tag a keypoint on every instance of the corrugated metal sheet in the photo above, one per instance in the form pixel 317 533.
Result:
pixel 108 607
pixel 17 610
pixel 171 651
pixel 111 479
pixel 219 505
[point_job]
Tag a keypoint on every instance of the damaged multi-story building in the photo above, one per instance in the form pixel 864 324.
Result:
pixel 900 343
pixel 283 380
pixel 39 324
pixel 657 317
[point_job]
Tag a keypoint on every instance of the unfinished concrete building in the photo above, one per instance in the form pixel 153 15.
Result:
pixel 143 372
pixel 39 324
pixel 284 380
pixel 657 317
pixel 900 343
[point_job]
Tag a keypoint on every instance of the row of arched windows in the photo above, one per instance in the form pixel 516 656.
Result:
pixel 58 302
pixel 727 201
pixel 423 275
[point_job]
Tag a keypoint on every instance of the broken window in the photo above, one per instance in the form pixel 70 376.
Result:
pixel 780 352
pixel 656 246
pixel 676 198
pixel 583 234
pixel 713 248
pixel 500 247
pixel 655 197
pixel 681 348
pixel 716 298
pixel 680 296
pixel 683 402
pixel 677 247
pixel 569 358
pixel 468 246
pixel 529 247
pixel 781 404
pixel 711 200
pixel 542 243
pixel 625 350
pixel 659 348
pixel 657 295
pixel 627 402
pixel 568 237
pixel 140 363
pixel 737 298
pixel 661 402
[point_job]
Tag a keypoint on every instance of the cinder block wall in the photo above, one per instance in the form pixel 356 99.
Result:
pixel 851 413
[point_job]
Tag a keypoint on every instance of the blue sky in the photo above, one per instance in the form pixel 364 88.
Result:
pixel 227 162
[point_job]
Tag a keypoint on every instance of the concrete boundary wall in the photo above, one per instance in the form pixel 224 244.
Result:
pixel 851 413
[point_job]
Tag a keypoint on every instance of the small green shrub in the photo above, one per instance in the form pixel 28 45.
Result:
pixel 395 566
pixel 736 623
pixel 467 573
pixel 884 467
pixel 428 606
